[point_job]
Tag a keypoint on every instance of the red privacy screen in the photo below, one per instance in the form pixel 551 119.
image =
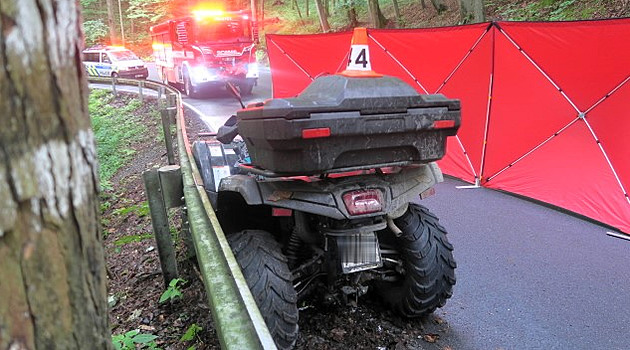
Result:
pixel 545 106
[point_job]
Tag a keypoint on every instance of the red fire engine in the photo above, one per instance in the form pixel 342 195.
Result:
pixel 210 48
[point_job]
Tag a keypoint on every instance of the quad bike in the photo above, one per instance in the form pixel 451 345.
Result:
pixel 306 212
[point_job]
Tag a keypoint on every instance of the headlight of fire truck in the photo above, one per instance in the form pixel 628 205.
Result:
pixel 202 74
pixel 252 70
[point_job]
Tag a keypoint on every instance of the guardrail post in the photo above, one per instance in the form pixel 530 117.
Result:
pixel 159 96
pixel 171 101
pixel 140 92
pixel 114 87
pixel 168 138
pixel 171 185
pixel 159 221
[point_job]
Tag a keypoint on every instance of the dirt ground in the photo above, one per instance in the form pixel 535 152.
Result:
pixel 136 284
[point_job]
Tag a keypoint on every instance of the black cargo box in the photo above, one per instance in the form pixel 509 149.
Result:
pixel 371 121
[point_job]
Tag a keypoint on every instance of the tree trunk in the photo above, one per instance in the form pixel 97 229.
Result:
pixel 471 11
pixel 439 5
pixel 110 22
pixel 424 5
pixel 52 268
pixel 307 8
pixel 323 20
pixel 352 17
pixel 297 7
pixel 376 16
pixel 122 26
pixel 396 11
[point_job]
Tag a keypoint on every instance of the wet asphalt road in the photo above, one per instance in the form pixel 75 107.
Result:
pixel 528 277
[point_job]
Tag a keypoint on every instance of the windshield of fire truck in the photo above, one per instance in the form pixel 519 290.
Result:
pixel 123 55
pixel 213 30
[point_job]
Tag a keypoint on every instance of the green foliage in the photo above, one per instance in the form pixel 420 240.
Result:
pixel 114 128
pixel 95 32
pixel 147 11
pixel 191 332
pixel 131 339
pixel 173 292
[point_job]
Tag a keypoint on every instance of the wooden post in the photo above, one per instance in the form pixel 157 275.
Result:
pixel 140 92
pixel 172 107
pixel 159 221
pixel 168 138
pixel 159 96
pixel 114 87
pixel 171 100
pixel 171 185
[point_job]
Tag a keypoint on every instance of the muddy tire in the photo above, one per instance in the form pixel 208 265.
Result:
pixel 269 278
pixel 428 264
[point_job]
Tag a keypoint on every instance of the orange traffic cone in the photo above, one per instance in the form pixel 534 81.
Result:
pixel 359 65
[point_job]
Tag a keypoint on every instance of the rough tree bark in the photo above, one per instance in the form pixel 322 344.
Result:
pixel 323 18
pixel 52 269
pixel 471 11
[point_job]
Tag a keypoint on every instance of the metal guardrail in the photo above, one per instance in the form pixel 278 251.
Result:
pixel 236 316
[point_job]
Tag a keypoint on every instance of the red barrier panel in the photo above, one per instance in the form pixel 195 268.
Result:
pixel 545 106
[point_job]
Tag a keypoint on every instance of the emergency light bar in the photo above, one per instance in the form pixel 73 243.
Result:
pixel 205 13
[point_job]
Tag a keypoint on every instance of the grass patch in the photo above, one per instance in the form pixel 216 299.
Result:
pixel 140 210
pixel 115 128
pixel 133 238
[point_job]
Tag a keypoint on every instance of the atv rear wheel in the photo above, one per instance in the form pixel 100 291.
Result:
pixel 427 261
pixel 269 278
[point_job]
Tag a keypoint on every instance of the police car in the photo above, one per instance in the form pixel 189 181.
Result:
pixel 113 61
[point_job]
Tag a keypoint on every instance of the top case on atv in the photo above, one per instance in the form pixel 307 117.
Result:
pixel 341 122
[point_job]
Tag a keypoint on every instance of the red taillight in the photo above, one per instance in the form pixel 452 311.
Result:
pixel 443 124
pixel 281 212
pixel 315 133
pixel 428 193
pixel 363 201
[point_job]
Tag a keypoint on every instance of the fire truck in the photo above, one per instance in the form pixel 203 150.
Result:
pixel 209 48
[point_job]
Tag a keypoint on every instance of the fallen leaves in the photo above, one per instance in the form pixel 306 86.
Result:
pixel 431 337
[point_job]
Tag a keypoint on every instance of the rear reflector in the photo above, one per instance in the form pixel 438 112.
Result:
pixel 315 133
pixel 363 201
pixel 281 212
pixel 443 124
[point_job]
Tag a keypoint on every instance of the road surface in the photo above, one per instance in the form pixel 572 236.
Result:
pixel 216 106
pixel 528 277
